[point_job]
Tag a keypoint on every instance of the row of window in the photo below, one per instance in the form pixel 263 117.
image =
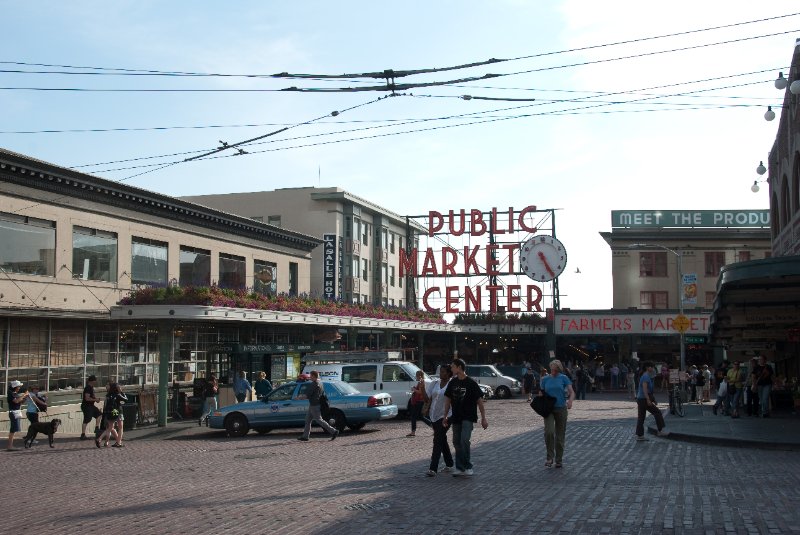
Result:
pixel 650 300
pixel 30 246
pixel 355 227
pixel 654 264
pixel 364 298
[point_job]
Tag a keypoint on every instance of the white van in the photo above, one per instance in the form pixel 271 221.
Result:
pixel 395 378
pixel 486 374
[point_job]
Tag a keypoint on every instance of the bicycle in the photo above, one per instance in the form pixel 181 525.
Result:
pixel 676 399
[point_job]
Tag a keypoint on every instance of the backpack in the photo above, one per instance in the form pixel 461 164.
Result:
pixel 324 406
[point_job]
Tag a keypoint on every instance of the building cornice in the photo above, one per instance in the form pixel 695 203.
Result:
pixel 68 184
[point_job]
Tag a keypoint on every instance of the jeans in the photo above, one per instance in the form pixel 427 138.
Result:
pixel 314 414
pixel 614 381
pixel 416 414
pixel 763 398
pixel 440 446
pixel 462 433
pixel 555 431
pixel 643 408
pixel 209 404
pixel 581 394
pixel 732 400
pixel 751 401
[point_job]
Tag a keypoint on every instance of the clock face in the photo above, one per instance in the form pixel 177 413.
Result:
pixel 543 258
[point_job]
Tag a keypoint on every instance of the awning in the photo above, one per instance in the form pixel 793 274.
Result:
pixel 758 304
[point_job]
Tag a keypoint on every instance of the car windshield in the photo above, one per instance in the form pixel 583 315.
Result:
pixel 412 370
pixel 344 388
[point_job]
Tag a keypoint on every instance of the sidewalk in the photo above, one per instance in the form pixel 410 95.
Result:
pixel 699 424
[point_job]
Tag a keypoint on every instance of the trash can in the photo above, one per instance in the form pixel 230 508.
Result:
pixel 130 411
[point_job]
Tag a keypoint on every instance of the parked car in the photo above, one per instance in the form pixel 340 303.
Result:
pixel 282 409
pixel 393 377
pixel 487 391
pixel 518 373
pixel 489 378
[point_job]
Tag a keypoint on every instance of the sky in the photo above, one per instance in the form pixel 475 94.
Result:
pixel 668 130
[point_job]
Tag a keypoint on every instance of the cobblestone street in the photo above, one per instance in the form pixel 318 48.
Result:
pixel 373 481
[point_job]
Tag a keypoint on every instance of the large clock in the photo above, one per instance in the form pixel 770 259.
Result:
pixel 543 258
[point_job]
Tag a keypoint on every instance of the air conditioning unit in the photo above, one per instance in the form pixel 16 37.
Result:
pixel 352 284
pixel 353 247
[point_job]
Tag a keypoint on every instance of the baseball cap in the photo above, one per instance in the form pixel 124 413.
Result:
pixel 15 384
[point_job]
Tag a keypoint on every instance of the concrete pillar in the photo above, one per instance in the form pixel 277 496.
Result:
pixel 164 353
pixel 422 350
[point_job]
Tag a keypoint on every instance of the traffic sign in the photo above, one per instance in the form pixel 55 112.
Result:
pixel 681 323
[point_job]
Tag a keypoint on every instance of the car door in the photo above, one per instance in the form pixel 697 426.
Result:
pixel 396 382
pixel 363 377
pixel 278 409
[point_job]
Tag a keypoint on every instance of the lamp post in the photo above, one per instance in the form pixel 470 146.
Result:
pixel 678 294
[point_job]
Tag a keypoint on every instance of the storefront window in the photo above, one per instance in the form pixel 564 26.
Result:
pixel 148 262
pixel 29 245
pixel 138 354
pixel 27 351
pixel 94 254
pixel 265 277
pixel 231 271
pixel 66 354
pixel 293 282
pixel 195 267
pixel 101 351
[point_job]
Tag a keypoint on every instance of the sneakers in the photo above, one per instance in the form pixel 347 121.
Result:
pixel 335 434
pixel 468 472
pixel 430 473
pixel 447 469
pixel 641 438
pixel 301 439
pixel 663 433
pixel 84 437
pixel 458 473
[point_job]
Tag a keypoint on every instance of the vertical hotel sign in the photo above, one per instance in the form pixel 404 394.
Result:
pixel 329 261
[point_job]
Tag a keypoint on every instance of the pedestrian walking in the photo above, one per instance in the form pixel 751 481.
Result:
pixel 15 399
pixel 315 393
pixel 751 389
pixel 37 402
pixel 599 376
pixel 527 383
pixel 112 409
pixel 646 402
pixel 722 391
pixel 241 387
pixel 89 407
pixel 559 386
pixel 210 399
pixel 699 385
pixel 435 392
pixel 465 398
pixel 764 385
pixel 581 382
pixel 735 379
pixel 417 401
pixel 262 385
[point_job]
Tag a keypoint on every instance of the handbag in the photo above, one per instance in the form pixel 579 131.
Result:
pixel 543 405
pixel 16 414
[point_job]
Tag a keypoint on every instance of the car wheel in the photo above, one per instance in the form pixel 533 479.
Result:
pixel 356 427
pixel 263 430
pixel 336 419
pixel 502 392
pixel 236 425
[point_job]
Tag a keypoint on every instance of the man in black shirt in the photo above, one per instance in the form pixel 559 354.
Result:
pixel 464 397
pixel 88 406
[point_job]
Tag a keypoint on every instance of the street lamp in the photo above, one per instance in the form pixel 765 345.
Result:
pixel 678 294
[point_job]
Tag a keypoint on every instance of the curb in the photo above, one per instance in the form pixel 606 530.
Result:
pixel 729 442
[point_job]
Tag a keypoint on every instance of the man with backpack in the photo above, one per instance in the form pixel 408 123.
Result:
pixel 315 393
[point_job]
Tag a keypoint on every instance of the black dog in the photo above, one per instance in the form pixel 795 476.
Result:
pixel 48 428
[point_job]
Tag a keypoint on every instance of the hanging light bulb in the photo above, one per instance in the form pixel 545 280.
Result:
pixel 795 87
pixel 754 188
pixel 769 115
pixel 781 82
pixel 761 169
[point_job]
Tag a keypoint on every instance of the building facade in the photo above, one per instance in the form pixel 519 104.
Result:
pixel 359 259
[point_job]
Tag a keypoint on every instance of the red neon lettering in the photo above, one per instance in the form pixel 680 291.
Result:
pixel 472 300
pixel 450 300
pixel 469 260
pixel 510 219
pixel 494 223
pixel 511 247
pixel 493 289
pixel 448 265
pixel 428 292
pixel 534 304
pixel 514 299
pixel 408 264
pixel 461 230
pixel 429 264
pixel 478 225
pixel 435 222
pixel 521 219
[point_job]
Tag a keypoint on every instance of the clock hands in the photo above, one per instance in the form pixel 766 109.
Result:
pixel 546 265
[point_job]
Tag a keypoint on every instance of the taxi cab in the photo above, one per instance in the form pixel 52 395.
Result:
pixel 281 408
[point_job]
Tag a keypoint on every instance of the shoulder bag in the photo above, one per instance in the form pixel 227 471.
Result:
pixel 543 405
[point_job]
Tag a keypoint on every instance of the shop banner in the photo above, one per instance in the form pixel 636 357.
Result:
pixel 689 291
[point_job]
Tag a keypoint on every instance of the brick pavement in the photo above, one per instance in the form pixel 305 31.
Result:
pixel 198 481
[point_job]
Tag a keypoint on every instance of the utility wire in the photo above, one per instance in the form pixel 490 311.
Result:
pixel 381 75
